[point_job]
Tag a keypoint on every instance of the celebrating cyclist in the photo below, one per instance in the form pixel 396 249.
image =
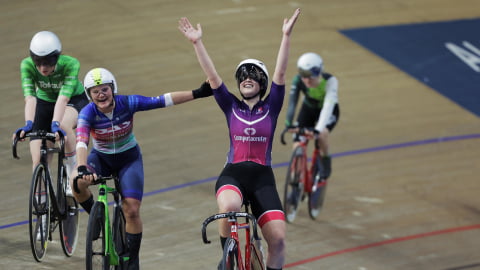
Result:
pixel 108 119
pixel 320 109
pixel 53 94
pixel 248 175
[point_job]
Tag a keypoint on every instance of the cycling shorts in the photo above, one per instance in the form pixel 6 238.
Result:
pixel 308 117
pixel 255 183
pixel 44 111
pixel 127 165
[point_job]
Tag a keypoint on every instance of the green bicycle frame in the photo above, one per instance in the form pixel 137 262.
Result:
pixel 109 244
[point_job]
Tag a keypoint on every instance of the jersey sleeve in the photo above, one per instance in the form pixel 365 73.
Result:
pixel 224 98
pixel 84 124
pixel 142 103
pixel 331 98
pixel 27 76
pixel 292 100
pixel 276 97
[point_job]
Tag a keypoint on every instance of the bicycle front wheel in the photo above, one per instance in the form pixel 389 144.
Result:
pixel 69 223
pixel 317 195
pixel 293 184
pixel 230 257
pixel 96 256
pixel 39 213
pixel 119 236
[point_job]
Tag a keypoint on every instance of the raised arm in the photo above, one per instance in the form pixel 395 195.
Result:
pixel 195 36
pixel 282 57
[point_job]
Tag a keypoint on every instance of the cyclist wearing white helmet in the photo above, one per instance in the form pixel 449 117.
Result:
pixel 108 120
pixel 320 109
pixel 248 175
pixel 53 94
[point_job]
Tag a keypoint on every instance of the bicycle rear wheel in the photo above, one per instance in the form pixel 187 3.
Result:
pixel 96 257
pixel 317 196
pixel 293 185
pixel 230 257
pixel 68 224
pixel 39 213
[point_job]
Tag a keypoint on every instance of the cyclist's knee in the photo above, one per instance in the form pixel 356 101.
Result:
pixel 131 209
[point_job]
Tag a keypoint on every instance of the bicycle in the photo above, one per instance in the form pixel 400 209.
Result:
pixel 232 253
pixel 106 243
pixel 303 178
pixel 49 208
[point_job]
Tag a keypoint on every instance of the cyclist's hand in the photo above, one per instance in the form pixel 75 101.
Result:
pixel 85 174
pixel 55 127
pixel 205 90
pixel 20 133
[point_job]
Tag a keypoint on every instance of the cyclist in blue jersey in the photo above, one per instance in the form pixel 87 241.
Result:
pixel 53 94
pixel 248 175
pixel 108 120
pixel 320 109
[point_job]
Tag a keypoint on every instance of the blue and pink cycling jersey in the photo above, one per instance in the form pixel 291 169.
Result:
pixel 115 149
pixel 251 131
pixel 110 136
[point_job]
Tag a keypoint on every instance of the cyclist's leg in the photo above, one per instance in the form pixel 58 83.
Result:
pixel 68 124
pixel 323 143
pixel 267 208
pixel 229 196
pixel 131 183
pixel 42 121
pixel 274 233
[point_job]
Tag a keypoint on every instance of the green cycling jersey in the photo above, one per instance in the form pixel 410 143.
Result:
pixel 63 81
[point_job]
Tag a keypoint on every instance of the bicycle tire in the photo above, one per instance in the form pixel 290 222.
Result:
pixel 68 224
pixel 230 257
pixel 96 257
pixel 39 213
pixel 293 191
pixel 119 236
pixel 256 255
pixel 316 198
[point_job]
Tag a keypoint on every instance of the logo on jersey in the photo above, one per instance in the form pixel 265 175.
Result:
pixel 250 131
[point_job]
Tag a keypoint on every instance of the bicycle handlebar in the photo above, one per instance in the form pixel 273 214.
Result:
pixel 298 130
pixel 42 134
pixel 234 215
pixel 99 180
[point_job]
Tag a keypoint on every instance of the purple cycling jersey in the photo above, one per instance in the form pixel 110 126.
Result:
pixel 251 131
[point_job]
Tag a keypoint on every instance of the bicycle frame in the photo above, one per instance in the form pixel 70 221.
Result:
pixel 103 190
pixel 114 257
pixel 235 226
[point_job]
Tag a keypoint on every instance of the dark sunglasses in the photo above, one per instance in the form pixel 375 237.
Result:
pixel 49 60
pixel 249 71
pixel 307 73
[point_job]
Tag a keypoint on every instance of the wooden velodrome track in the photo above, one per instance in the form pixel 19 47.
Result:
pixel 389 205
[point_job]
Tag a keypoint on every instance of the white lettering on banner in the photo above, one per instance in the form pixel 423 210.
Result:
pixel 471 58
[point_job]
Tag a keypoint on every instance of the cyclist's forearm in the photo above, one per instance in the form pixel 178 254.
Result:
pixel 59 110
pixel 82 154
pixel 30 106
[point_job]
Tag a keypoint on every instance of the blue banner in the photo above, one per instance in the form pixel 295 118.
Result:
pixel 443 55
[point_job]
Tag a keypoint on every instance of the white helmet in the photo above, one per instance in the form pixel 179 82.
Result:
pixel 99 76
pixel 310 65
pixel 261 78
pixel 45 43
